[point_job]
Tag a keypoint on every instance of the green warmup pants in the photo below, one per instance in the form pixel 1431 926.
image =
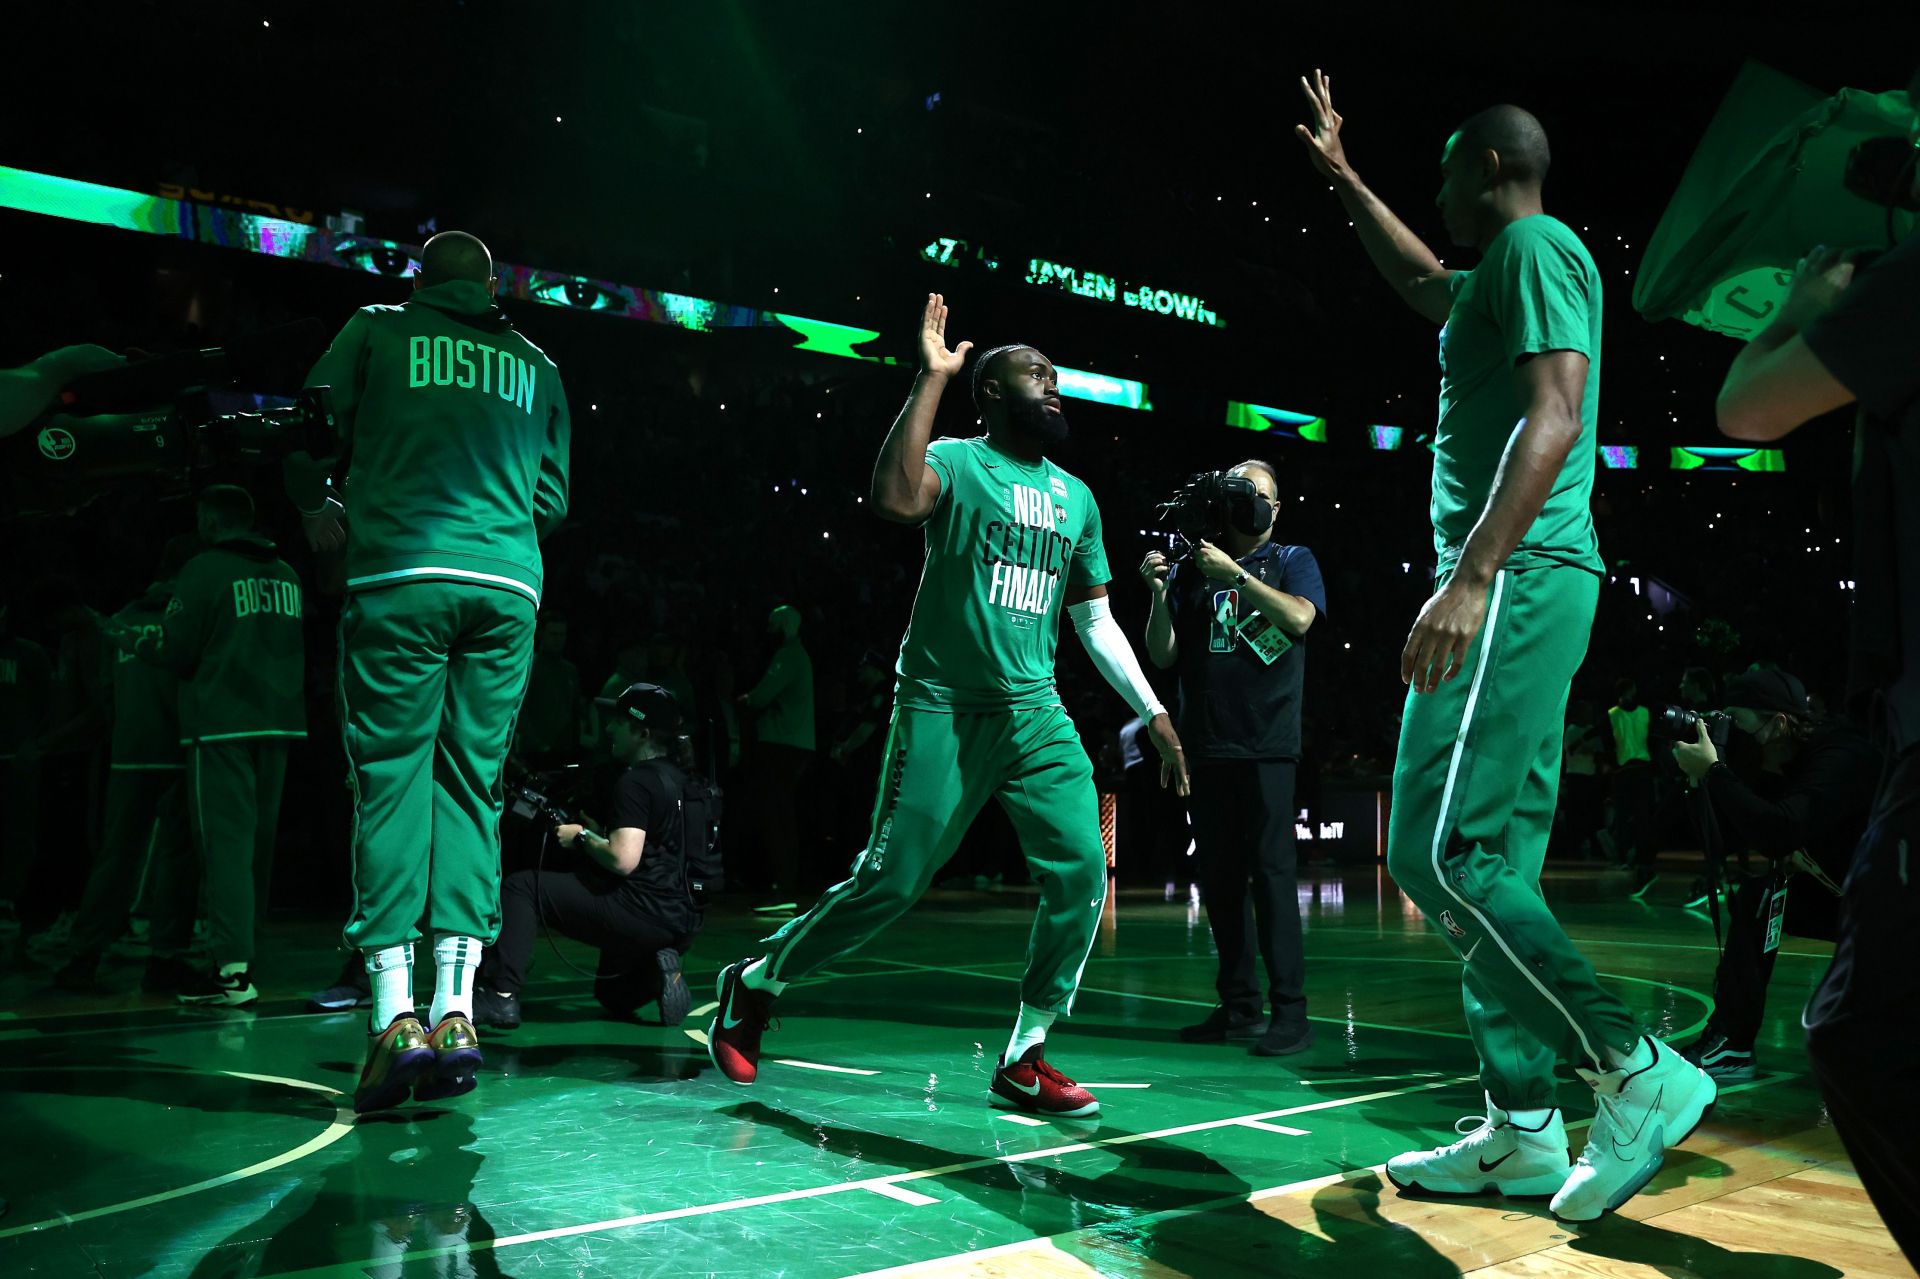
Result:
pixel 1473 798
pixel 146 825
pixel 431 677
pixel 939 772
pixel 233 807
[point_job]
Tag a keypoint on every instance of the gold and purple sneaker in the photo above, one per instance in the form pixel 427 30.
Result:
pixel 456 1058
pixel 396 1057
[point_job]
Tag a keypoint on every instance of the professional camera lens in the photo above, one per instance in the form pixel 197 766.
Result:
pixel 1677 724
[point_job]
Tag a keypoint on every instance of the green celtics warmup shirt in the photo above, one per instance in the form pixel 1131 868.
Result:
pixel 1537 290
pixel 1003 542
pixel 454 432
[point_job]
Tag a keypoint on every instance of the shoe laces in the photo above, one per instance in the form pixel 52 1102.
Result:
pixel 1047 1072
pixel 1473 1130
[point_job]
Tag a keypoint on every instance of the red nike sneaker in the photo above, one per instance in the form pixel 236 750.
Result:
pixel 1031 1084
pixel 733 1037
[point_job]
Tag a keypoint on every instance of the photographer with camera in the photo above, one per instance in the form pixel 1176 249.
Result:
pixel 450 466
pixel 635 893
pixel 1849 333
pixel 1231 621
pixel 1795 789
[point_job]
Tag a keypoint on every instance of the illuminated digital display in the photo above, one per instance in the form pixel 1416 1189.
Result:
pixel 1386 437
pixel 1101 287
pixel 1620 457
pixel 1704 457
pixel 1283 422
pixel 302 242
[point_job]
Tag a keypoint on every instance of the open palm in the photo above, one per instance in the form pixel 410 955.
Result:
pixel 1323 138
pixel 934 355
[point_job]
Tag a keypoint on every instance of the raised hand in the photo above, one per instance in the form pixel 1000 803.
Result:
pixel 1323 138
pixel 934 355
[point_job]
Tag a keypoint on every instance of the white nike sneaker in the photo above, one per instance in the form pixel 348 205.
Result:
pixel 1496 1157
pixel 1642 1114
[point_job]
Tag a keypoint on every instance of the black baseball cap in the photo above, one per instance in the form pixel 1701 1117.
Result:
pixel 1770 692
pixel 647 705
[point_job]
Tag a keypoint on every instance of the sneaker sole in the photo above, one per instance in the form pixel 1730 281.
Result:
pixel 1298 1046
pixel 1518 1188
pixel 1000 1101
pixel 676 1001
pixel 397 1086
pixel 226 999
pixel 454 1075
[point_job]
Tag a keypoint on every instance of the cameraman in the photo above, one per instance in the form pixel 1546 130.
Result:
pixel 631 896
pixel 32 389
pixel 1795 790
pixel 1835 341
pixel 1240 719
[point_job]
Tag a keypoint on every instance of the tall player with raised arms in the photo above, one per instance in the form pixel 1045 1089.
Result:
pixel 1012 540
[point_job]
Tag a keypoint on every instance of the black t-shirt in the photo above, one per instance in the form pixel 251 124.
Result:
pixel 1870 342
pixel 1232 704
pixel 1819 803
pixel 647 797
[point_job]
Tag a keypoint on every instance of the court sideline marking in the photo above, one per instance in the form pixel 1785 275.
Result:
pixel 342 1269
pixel 1312 1183
pixel 342 1125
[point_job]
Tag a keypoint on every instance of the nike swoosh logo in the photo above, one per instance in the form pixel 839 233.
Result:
pixel 727 1020
pixel 1031 1092
pixel 1468 958
pixel 1489 1167
pixel 1627 1145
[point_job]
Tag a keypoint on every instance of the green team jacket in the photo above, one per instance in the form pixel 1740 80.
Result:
pixel 784 698
pixel 233 634
pixel 146 697
pixel 453 434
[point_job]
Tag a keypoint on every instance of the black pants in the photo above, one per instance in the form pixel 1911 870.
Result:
pixel 1861 1031
pixel 1634 797
pixel 1243 832
pixel 776 780
pixel 1746 965
pixel 146 823
pixel 588 905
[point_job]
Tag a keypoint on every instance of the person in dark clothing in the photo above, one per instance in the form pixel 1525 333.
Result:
pixel 783 750
pixel 629 895
pixel 26 700
pixel 1853 337
pixel 1232 622
pixel 233 634
pixel 146 816
pixel 1796 791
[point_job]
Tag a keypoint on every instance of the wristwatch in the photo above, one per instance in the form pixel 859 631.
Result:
pixel 1240 579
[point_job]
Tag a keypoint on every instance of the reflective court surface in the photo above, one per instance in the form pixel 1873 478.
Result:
pixel 143 1140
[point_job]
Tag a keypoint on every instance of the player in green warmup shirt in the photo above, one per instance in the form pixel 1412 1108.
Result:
pixel 1488 665
pixel 1013 541
pixel 453 466
pixel 233 634
pixel 146 815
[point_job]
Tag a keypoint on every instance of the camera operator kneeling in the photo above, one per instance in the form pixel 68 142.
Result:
pixel 1796 790
pixel 633 897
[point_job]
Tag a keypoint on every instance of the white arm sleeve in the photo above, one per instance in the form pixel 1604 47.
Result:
pixel 1107 645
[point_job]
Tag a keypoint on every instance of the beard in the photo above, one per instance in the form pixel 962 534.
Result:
pixel 1030 421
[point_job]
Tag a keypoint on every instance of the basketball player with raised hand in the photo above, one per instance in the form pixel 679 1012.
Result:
pixel 1012 542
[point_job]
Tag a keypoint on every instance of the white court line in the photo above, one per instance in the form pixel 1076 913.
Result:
pixel 1021 1119
pixel 1116 1085
pixel 814 1065
pixel 342 1125
pixel 1282 1129
pixel 917 1268
pixel 704 1009
pixel 911 1197
pixel 337 1268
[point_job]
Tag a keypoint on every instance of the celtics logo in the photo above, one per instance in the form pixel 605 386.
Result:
pixel 56 444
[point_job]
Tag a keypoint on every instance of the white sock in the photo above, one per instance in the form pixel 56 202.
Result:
pixel 455 960
pixel 754 977
pixel 1530 1120
pixel 1029 1028
pixel 230 970
pixel 390 973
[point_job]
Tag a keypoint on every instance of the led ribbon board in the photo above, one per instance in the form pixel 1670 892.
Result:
pixel 123 210
pixel 1284 422
pixel 1109 288
pixel 1700 457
